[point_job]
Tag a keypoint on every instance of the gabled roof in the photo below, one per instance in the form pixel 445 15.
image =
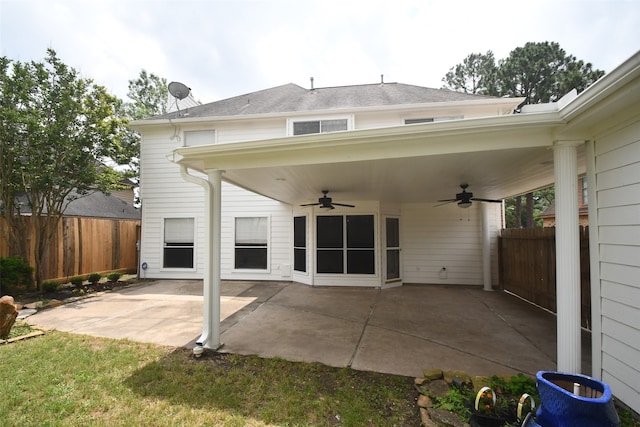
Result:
pixel 293 98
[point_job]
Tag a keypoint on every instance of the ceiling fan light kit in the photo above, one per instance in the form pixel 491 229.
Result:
pixel 465 198
pixel 325 202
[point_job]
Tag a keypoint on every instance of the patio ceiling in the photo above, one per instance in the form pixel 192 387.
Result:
pixel 498 157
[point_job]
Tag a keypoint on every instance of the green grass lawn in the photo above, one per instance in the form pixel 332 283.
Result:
pixel 63 379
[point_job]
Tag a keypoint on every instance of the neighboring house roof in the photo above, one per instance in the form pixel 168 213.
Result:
pixel 98 205
pixel 101 205
pixel 293 98
pixel 550 212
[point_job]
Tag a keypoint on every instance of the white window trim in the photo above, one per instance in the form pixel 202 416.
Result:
pixel 290 121
pixel 233 258
pixel 309 251
pixel 185 132
pixel 195 244
pixel 376 248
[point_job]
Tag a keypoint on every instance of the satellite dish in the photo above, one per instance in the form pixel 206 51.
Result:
pixel 179 90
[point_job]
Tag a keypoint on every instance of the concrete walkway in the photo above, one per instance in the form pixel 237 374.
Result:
pixel 398 331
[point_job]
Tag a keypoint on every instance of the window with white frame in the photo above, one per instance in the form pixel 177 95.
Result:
pixel 251 243
pixel 199 137
pixel 305 127
pixel 178 244
pixel 345 244
pixel 300 243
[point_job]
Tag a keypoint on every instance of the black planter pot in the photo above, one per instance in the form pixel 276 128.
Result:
pixel 482 420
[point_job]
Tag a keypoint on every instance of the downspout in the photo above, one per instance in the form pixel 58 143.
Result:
pixel 210 337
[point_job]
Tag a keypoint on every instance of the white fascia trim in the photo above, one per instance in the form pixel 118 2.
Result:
pixel 605 86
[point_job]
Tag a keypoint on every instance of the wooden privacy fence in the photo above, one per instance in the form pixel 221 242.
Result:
pixel 527 259
pixel 88 245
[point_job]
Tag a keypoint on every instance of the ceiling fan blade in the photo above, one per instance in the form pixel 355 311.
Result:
pixel 311 204
pixel 343 204
pixel 486 200
pixel 445 202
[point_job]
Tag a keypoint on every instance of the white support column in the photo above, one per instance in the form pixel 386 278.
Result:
pixel 486 247
pixel 565 159
pixel 212 262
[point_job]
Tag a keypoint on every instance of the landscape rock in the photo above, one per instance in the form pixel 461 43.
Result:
pixel 426 419
pixel 425 401
pixel 432 374
pixel 419 381
pixel 438 388
pixel 8 314
pixel 450 376
pixel 445 418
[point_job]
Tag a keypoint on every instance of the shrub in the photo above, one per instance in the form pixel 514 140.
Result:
pixel 15 272
pixel 50 286
pixel 113 277
pixel 77 281
pixel 94 278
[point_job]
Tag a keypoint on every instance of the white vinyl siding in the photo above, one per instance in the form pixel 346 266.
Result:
pixel 617 173
pixel 445 237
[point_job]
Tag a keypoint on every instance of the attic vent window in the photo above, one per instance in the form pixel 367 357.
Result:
pixel 319 126
pixel 414 121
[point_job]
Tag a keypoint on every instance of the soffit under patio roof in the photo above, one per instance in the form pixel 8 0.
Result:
pixel 498 157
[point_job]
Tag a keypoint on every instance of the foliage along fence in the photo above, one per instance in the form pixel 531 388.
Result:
pixel 83 246
pixel 528 267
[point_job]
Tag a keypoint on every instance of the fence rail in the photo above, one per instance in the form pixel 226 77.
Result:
pixel 88 245
pixel 528 267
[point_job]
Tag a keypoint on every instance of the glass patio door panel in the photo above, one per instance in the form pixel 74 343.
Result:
pixel 393 248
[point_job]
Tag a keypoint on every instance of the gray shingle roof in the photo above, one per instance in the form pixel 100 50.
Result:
pixel 97 205
pixel 290 98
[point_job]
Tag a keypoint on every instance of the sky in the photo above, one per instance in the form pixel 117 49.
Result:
pixel 224 48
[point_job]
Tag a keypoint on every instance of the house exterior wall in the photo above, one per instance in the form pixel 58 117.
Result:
pixel 165 194
pixel 617 176
pixel 448 237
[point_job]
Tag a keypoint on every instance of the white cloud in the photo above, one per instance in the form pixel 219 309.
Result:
pixel 226 48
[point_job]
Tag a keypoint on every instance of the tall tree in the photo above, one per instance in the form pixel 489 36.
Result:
pixel 476 74
pixel 56 129
pixel 543 72
pixel 539 72
pixel 148 96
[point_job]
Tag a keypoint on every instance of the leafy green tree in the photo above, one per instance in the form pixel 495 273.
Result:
pixel 148 96
pixel 56 127
pixel 476 74
pixel 543 72
pixel 539 72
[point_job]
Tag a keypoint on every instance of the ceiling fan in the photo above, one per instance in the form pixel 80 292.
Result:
pixel 464 199
pixel 325 202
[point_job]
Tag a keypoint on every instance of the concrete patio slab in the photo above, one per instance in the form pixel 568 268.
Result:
pixel 399 331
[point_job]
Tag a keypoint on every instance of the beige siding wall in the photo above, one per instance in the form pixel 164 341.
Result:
pixel 445 237
pixel 618 209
